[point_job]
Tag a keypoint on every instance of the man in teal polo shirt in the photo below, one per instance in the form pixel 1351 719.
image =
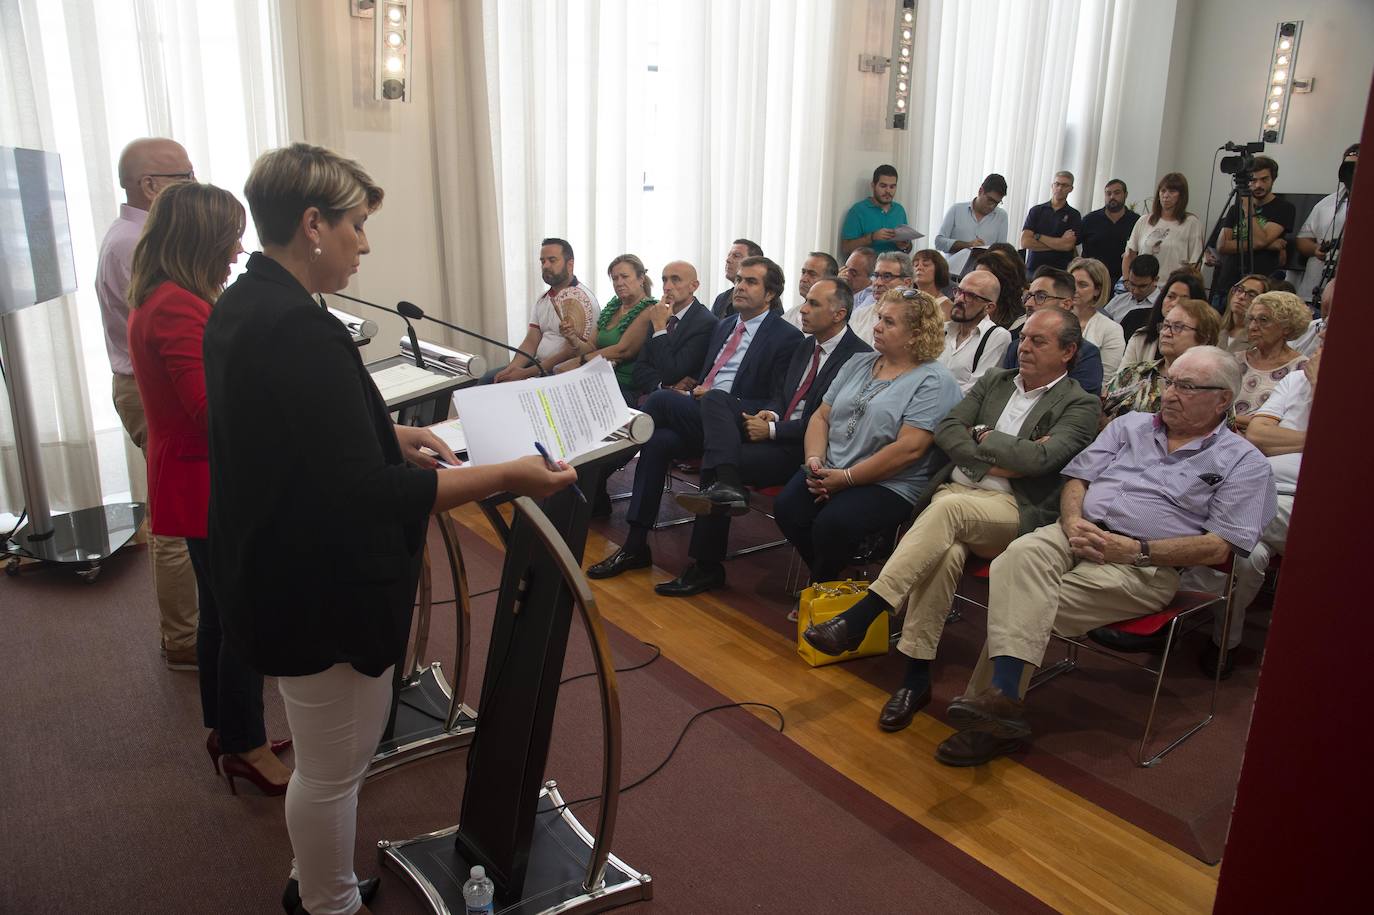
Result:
pixel 871 221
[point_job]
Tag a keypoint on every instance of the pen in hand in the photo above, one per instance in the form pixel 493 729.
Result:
pixel 553 465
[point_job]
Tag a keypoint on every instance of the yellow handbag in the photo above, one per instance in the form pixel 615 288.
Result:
pixel 828 599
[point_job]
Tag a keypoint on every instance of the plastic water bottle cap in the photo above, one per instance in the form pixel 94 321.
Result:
pixel 478 872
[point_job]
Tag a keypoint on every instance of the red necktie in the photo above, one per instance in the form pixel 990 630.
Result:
pixel 805 385
pixel 672 322
pixel 730 346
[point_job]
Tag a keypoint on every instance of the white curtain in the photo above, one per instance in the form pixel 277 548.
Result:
pixel 1020 87
pixel 82 78
pixel 664 129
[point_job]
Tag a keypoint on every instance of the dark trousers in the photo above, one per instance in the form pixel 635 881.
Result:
pixel 230 690
pixel 760 464
pixel 827 533
pixel 677 434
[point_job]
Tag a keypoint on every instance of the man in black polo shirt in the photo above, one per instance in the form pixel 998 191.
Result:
pixel 1050 234
pixel 1268 218
pixel 1106 231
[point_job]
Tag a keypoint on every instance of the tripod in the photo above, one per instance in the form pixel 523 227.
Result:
pixel 1332 246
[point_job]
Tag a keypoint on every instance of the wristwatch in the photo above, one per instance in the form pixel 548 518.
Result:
pixel 1142 559
pixel 978 430
pixel 1036 236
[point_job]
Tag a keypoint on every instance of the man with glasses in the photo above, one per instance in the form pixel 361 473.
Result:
pixel 890 271
pixel 973 342
pixel 1141 282
pixel 978 223
pixel 1050 233
pixel 1052 287
pixel 146 166
pixel 1153 494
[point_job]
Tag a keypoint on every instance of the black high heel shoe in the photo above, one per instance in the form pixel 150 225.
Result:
pixel 291 896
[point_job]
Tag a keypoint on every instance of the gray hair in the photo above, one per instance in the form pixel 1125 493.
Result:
pixel 901 258
pixel 1070 330
pixel 1063 174
pixel 1224 370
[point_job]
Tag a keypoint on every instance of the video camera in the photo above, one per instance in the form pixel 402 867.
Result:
pixel 1239 166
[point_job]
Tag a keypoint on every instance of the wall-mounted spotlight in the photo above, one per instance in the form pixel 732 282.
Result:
pixel 1279 87
pixel 903 64
pixel 393 34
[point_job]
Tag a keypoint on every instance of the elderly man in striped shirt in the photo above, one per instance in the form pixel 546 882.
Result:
pixel 1153 494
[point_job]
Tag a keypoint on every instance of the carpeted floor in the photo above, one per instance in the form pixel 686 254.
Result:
pixel 1087 724
pixel 110 803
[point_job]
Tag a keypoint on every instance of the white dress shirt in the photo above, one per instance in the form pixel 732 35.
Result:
pixel 958 355
pixel 1013 415
pixel 827 350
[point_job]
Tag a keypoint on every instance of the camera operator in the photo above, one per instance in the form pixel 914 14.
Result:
pixel 1266 219
pixel 1323 229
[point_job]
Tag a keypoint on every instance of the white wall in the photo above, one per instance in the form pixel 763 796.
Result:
pixel 1227 65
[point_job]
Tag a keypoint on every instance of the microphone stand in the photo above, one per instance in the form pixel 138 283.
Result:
pixel 410 328
pixel 410 310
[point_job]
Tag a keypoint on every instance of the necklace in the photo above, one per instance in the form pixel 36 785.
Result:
pixel 871 389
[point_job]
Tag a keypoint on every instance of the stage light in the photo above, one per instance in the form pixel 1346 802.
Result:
pixel 392 50
pixel 1278 93
pixel 903 51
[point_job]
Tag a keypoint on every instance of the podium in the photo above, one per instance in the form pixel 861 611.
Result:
pixel 512 821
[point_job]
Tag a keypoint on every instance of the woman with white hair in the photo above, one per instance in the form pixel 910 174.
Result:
pixel 1274 319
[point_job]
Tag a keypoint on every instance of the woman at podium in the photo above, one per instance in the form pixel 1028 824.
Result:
pixel 319 504
pixel 179 266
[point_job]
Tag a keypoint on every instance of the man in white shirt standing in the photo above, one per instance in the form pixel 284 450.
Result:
pixel 1324 225
pixel 1279 431
pixel 146 166
pixel 973 342
pixel 978 223
pixel 567 306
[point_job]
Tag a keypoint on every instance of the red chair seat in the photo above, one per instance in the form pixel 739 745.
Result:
pixel 978 567
pixel 771 492
pixel 1152 623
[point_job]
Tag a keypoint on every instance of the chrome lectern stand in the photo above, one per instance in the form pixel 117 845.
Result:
pixel 513 821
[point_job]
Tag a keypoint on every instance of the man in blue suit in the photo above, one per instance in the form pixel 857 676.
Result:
pixel 764 448
pixel 748 352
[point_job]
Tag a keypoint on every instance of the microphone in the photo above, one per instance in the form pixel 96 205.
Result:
pixel 410 328
pixel 411 310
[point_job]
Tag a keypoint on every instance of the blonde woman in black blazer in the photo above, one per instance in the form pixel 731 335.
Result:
pixel 319 504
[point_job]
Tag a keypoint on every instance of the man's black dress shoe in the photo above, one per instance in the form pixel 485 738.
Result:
pixel 902 707
pixel 717 498
pixel 833 637
pixel 974 748
pixel 695 579
pixel 1211 654
pixel 620 561
pixel 291 896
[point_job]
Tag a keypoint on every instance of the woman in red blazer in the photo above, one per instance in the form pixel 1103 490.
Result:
pixel 179 267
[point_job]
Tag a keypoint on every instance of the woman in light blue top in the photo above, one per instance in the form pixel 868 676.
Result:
pixel 868 446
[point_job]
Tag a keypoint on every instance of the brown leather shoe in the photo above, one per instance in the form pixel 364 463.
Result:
pixel 902 707
pixel 1005 716
pixel 833 637
pixel 974 747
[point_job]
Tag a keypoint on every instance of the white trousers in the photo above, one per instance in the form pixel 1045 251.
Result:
pixel 1250 573
pixel 336 718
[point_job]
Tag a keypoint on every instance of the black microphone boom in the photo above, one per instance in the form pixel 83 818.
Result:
pixel 411 310
pixel 410 328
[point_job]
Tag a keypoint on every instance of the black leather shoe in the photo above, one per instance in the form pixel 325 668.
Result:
pixel 833 637
pixel 1211 654
pixel 620 561
pixel 902 707
pixel 695 579
pixel 974 748
pixel 718 498
pixel 1128 642
pixel 291 896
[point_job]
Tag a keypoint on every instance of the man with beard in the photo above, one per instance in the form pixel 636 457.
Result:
pixel 565 298
pixel 1106 231
pixel 973 342
pixel 872 221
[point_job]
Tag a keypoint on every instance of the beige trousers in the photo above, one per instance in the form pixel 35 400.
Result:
pixel 1038 585
pixel 173 578
pixel 925 568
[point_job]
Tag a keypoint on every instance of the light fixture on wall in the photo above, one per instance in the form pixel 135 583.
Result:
pixel 1280 85
pixel 903 64
pixel 393 33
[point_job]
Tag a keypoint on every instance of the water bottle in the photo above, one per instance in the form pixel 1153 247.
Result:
pixel 478 892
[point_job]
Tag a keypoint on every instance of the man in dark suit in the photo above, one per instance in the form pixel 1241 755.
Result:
pixel 680 333
pixel 740 248
pixel 748 352
pixel 1006 442
pixel 763 448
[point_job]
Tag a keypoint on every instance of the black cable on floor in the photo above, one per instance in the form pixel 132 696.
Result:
pixel 658 653
pixel 782 722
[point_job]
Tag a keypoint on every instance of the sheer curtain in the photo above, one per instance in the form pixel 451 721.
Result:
pixel 1021 87
pixel 82 78
pixel 660 128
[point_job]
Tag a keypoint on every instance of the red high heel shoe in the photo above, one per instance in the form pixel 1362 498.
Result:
pixel 237 767
pixel 278 747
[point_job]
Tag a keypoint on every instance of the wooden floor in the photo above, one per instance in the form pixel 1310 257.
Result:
pixel 1068 852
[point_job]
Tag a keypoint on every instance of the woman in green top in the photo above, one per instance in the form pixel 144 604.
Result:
pixel 623 326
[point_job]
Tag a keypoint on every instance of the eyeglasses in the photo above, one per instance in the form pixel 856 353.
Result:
pixel 1188 387
pixel 1041 298
pixel 885 276
pixel 1243 292
pixel 961 293
pixel 1261 320
pixel 1175 327
pixel 180 176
